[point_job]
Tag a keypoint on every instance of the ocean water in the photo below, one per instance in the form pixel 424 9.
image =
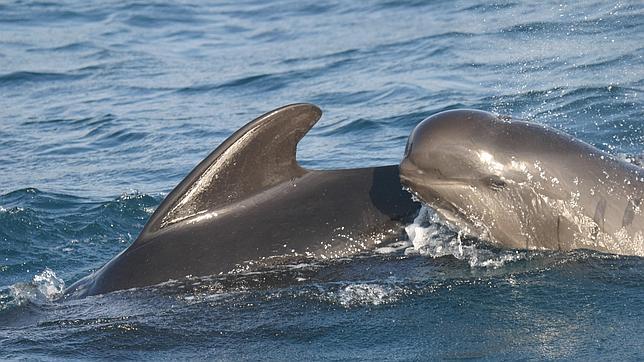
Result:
pixel 106 106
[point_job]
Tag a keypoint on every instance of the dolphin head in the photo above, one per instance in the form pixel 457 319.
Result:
pixel 472 167
pixel 455 148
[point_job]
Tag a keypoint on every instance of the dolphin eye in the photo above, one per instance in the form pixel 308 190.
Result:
pixel 495 183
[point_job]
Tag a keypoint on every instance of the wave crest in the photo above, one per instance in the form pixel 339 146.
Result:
pixel 43 288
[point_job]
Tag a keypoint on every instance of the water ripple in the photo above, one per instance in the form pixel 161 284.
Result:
pixel 20 78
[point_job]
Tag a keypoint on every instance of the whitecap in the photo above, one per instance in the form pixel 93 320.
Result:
pixel 44 287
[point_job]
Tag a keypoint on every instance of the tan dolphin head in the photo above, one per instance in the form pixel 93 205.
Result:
pixel 524 185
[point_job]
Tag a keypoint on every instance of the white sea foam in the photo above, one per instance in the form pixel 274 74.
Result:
pixel 44 287
pixel 429 237
pixel 364 294
pixel 393 247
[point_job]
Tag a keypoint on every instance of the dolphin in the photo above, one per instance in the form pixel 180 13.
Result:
pixel 523 185
pixel 250 201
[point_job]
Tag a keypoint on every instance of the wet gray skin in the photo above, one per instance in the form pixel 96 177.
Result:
pixel 523 185
pixel 251 203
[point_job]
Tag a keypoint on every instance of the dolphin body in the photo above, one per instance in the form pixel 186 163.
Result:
pixel 250 200
pixel 523 185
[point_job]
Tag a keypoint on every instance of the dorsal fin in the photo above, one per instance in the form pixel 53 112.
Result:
pixel 256 157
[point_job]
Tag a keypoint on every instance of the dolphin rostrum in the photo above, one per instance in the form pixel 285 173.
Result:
pixel 524 185
pixel 250 200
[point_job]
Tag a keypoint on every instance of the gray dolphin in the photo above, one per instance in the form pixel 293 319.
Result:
pixel 250 200
pixel 523 185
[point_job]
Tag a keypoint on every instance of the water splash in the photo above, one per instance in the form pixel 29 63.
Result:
pixel 635 159
pixel 363 294
pixel 366 294
pixel 429 237
pixel 43 288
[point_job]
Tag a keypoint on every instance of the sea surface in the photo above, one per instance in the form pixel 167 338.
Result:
pixel 105 106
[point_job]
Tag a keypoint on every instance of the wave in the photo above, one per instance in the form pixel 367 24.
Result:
pixel 26 77
pixel 44 287
pixel 256 83
pixel 64 230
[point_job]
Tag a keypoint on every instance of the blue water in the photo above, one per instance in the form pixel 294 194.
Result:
pixel 105 107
